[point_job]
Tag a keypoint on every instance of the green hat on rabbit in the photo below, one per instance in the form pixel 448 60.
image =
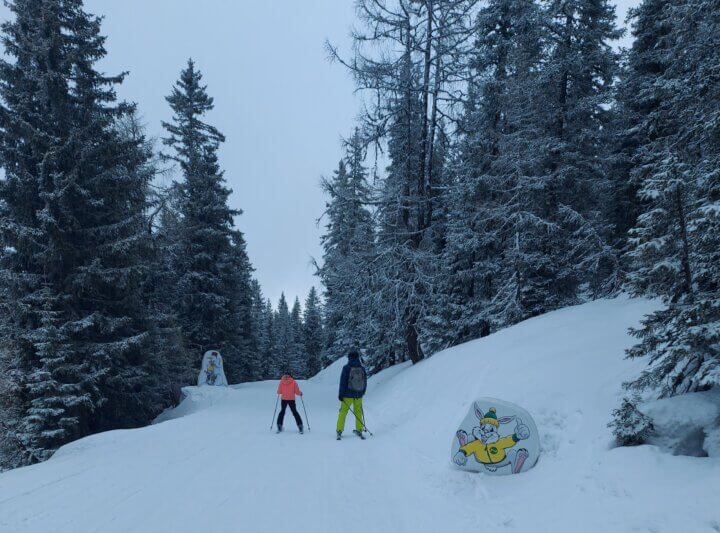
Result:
pixel 490 418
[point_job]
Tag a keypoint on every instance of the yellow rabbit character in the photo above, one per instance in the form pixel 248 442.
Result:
pixel 488 447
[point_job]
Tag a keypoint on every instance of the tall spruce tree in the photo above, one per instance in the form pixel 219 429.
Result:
pixel 404 261
pixel 313 333
pixel 348 249
pixel 674 67
pixel 283 339
pixel 412 85
pixel 170 365
pixel 298 359
pixel 270 365
pixel 579 74
pixel 486 199
pixel 73 227
pixel 260 342
pixel 161 289
pixel 240 290
pixel 547 186
pixel 212 268
pixel 638 102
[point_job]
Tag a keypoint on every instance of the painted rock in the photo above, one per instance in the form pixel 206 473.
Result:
pixel 212 372
pixel 496 437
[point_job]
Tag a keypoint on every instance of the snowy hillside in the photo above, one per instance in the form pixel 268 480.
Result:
pixel 212 464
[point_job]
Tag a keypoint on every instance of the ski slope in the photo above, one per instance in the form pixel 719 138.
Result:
pixel 212 464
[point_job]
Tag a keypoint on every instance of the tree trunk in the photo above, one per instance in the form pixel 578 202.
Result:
pixel 422 174
pixel 411 337
pixel 687 275
pixel 429 193
pixel 564 79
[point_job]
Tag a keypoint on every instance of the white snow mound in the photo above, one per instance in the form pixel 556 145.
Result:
pixel 688 424
pixel 214 462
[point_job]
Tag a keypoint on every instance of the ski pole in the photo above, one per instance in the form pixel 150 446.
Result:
pixel 277 399
pixel 363 421
pixel 358 418
pixel 305 411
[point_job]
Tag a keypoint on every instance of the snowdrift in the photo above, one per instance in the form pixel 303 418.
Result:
pixel 213 462
pixel 688 424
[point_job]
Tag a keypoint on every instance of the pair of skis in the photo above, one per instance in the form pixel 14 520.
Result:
pixel 358 433
pixel 339 437
pixel 279 427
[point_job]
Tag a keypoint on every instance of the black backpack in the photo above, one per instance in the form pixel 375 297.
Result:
pixel 356 379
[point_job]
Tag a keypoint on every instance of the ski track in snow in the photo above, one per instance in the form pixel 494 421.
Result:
pixel 213 464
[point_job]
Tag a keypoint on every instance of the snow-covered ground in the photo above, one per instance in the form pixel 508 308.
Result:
pixel 213 464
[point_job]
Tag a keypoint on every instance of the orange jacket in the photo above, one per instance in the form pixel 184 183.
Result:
pixel 288 388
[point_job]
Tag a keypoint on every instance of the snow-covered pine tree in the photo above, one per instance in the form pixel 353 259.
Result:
pixel 630 426
pixel 705 219
pixel 488 197
pixel 260 343
pixel 11 412
pixel 546 188
pixel 161 289
pixel 298 358
pixel 239 287
pixel 348 249
pixel 436 323
pixel 578 76
pixel 212 268
pixel 270 365
pixel 313 336
pixel 404 263
pixel 283 339
pixel 638 102
pixel 424 41
pixel 73 219
pixel 165 353
pixel 334 271
pixel 674 245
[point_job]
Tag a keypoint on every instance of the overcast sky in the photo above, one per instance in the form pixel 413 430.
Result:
pixel 281 105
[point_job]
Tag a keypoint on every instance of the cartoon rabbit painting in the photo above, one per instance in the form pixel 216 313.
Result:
pixel 211 371
pixel 488 447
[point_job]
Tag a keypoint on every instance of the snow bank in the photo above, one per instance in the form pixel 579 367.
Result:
pixel 331 374
pixel 688 424
pixel 216 451
pixel 195 399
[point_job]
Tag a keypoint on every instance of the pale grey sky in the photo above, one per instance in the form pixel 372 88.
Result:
pixel 281 105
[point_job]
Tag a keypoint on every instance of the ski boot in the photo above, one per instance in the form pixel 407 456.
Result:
pixel 279 429
pixel 359 434
pixel 300 429
pixel 339 435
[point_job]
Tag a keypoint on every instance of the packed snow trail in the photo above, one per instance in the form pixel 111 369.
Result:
pixel 214 464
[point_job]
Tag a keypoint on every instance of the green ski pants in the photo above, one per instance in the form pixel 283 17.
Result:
pixel 345 405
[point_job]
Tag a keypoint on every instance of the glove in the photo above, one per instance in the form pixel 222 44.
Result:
pixel 460 459
pixel 522 431
pixel 340 398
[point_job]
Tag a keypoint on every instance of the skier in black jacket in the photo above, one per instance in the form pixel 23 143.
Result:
pixel 353 383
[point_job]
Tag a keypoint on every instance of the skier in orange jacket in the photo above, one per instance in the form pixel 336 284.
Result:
pixel 288 389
